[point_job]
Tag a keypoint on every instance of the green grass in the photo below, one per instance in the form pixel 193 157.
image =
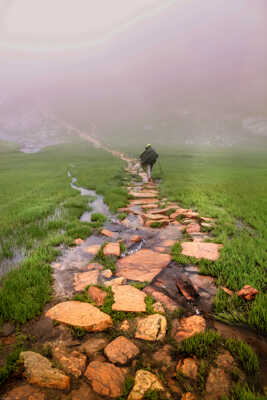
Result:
pixel 232 188
pixel 39 211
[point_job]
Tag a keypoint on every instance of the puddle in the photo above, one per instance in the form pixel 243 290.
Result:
pixel 8 264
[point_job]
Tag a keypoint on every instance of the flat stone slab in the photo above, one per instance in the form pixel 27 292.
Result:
pixel 143 265
pixel 39 371
pixel 188 327
pixel 94 249
pixel 151 328
pixel 143 195
pixel 83 279
pixel 121 350
pixel 209 251
pixel 128 298
pixel 105 378
pixel 24 392
pixel 81 315
pixel 139 202
pixel 112 249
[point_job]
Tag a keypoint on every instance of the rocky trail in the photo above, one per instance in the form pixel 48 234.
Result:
pixel 123 308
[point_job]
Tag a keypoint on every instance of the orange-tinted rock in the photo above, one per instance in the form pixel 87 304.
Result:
pixel 218 384
pixel 149 206
pixel 83 279
pixel 186 288
pixel 24 392
pixel 209 251
pixel 160 249
pixel 163 298
pixel 73 363
pixel 39 371
pixel 188 327
pixel 121 350
pixel 247 292
pixel 79 314
pixel 144 381
pixel 97 295
pixel 188 396
pixel 193 228
pixel 227 291
pixel 128 298
pixel 206 225
pixel 93 345
pixel 108 233
pixel 115 282
pixel 191 214
pixel 143 195
pixel 8 340
pixel 206 219
pixel 163 356
pixel 158 307
pixel 156 217
pixel 188 367
pixel 163 222
pixel 105 378
pixel 151 328
pixel 124 326
pixel 143 202
pixel 94 249
pixel 143 265
pixel 112 249
pixel 107 273
pixel 135 238
pixel 78 241
pixel 168 243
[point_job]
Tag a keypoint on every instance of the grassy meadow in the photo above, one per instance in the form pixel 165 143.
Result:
pixel 231 187
pixel 39 211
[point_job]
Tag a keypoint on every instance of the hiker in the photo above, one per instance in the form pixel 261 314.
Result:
pixel 148 159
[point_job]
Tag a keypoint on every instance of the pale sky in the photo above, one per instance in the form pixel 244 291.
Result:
pixel 56 22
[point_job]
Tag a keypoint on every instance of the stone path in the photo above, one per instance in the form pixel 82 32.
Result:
pixel 107 351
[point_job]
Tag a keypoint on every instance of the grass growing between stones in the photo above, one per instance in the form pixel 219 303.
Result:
pixel 40 211
pixel 231 187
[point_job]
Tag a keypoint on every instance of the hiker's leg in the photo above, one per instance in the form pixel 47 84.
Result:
pixel 149 172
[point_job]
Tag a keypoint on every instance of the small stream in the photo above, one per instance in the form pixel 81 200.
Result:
pixel 97 205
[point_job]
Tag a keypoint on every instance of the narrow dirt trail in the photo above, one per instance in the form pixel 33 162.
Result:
pixel 123 309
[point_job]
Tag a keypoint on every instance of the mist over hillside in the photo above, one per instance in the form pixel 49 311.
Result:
pixel 187 75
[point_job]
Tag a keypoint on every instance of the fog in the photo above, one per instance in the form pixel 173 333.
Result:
pixel 188 71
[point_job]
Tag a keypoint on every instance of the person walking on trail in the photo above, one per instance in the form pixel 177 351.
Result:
pixel 148 159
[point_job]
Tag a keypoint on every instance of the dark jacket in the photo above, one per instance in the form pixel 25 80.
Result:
pixel 149 157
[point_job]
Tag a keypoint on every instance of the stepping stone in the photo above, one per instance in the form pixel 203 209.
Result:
pixel 106 379
pixel 97 295
pixel 39 371
pixel 219 380
pixel 193 228
pixel 155 217
pixel 227 291
pixel 151 328
pixel 112 249
pixel 168 243
pixel 187 327
pixel 162 210
pixel 72 363
pixel 135 238
pixel 121 350
pixel 143 265
pixel 188 396
pixel 143 195
pixel 143 202
pixel 24 392
pixel 158 307
pixel 80 315
pixel 188 367
pixel 94 249
pixel 78 241
pixel 115 282
pixel 149 206
pixel 108 233
pixel 209 251
pixel 128 298
pixel 186 288
pixel 107 273
pixel 144 381
pixel 83 279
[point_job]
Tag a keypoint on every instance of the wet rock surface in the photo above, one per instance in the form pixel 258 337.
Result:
pixel 121 350
pixel 151 328
pixel 188 327
pixel 105 378
pixel 128 298
pixel 39 371
pixel 81 315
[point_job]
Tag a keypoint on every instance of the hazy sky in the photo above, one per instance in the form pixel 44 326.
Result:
pixel 119 58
